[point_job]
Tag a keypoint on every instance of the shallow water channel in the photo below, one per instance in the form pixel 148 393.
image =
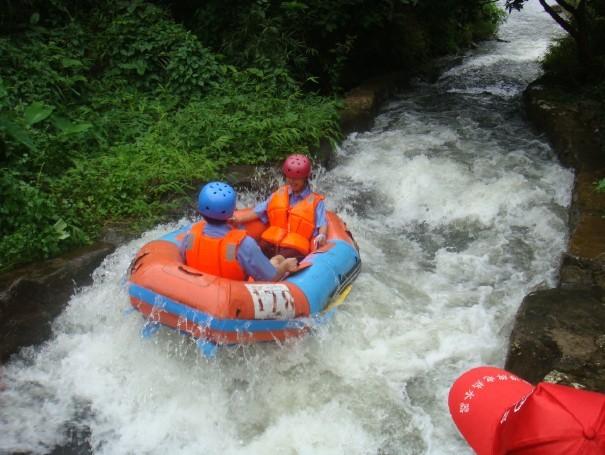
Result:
pixel 459 209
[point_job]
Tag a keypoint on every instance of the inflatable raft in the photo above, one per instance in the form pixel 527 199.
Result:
pixel 218 311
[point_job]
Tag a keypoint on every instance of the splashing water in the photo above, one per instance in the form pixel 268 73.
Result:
pixel 459 210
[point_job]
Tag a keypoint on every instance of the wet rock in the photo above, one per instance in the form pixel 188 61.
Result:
pixel 559 336
pixel 581 273
pixel 577 142
pixel 33 295
pixel 363 102
pixel 248 176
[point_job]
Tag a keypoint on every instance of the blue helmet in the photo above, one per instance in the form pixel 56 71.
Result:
pixel 217 201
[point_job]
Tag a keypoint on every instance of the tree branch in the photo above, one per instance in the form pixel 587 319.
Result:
pixel 558 19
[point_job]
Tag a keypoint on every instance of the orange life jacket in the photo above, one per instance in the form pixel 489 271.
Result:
pixel 291 227
pixel 217 256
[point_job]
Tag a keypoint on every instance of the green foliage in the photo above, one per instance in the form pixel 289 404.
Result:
pixel 600 186
pixel 141 46
pixel 44 65
pixel 9 127
pixel 561 62
pixel 336 43
pixel 451 25
pixel 252 127
pixel 262 41
pixel 19 15
pixel 29 225
pixel 111 110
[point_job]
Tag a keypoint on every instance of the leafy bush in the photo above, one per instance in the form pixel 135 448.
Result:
pixel 252 127
pixel 561 62
pixel 47 65
pixel 139 45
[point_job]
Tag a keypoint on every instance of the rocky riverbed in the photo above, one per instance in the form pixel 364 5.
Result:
pixel 559 334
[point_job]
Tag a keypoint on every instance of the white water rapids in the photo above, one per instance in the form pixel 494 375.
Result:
pixel 459 209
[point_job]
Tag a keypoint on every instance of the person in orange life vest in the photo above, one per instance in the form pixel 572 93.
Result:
pixel 297 216
pixel 212 246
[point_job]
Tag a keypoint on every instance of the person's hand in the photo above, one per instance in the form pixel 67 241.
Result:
pixel 320 240
pixel 284 266
pixel 289 265
pixel 277 260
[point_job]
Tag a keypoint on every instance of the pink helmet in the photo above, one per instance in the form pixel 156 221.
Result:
pixel 297 167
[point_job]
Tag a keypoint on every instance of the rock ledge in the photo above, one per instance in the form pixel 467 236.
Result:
pixel 559 334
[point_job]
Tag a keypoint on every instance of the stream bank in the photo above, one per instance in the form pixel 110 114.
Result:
pixel 559 334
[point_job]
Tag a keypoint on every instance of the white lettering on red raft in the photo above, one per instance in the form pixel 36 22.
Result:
pixel 271 301
pixel 482 383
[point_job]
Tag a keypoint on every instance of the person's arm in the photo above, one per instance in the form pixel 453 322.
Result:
pixel 251 215
pixel 322 225
pixel 183 245
pixel 321 238
pixel 258 213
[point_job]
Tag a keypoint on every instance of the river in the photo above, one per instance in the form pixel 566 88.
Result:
pixel 459 209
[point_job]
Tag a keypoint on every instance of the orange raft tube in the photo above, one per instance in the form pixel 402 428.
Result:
pixel 218 311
